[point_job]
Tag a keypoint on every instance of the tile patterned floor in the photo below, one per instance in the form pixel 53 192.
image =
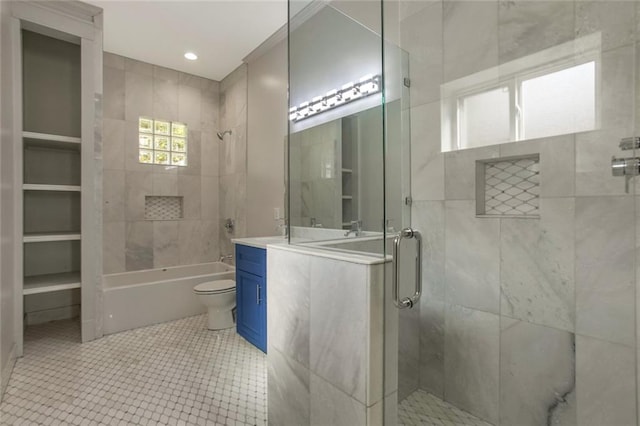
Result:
pixel 423 409
pixel 176 373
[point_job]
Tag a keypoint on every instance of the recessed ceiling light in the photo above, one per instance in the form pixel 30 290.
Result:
pixel 191 56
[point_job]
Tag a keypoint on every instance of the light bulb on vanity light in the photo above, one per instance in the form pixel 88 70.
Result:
pixel 317 105
pixel 367 85
pixel 332 98
pixel 191 56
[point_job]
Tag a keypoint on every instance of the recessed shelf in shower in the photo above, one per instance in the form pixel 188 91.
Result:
pixel 162 207
pixel 508 187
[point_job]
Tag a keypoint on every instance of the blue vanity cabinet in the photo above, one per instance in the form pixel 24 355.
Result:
pixel 251 295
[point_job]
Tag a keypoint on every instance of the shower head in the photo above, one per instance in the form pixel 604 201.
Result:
pixel 221 134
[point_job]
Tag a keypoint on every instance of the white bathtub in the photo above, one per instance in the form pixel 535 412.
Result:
pixel 141 298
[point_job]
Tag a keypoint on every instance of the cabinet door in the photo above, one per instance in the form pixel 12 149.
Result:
pixel 251 308
pixel 251 259
pixel 262 308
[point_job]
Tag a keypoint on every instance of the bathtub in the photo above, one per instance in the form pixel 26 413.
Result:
pixel 141 298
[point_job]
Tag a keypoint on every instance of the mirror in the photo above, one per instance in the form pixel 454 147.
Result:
pixel 336 171
pixel 337 156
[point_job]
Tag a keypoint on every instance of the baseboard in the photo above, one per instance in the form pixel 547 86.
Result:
pixel 5 373
pixel 40 317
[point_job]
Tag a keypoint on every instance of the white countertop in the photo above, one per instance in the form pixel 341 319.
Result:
pixel 311 249
pixel 259 242
pixel 344 256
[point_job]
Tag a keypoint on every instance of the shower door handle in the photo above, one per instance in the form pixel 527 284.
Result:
pixel 407 302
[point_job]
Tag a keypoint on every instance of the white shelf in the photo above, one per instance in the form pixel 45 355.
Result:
pixel 347 171
pixel 52 138
pixel 40 187
pixel 51 282
pixel 51 236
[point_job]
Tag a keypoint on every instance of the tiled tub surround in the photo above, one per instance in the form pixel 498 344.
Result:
pixel 233 157
pixel 133 89
pixel 198 377
pixel 324 321
pixel 546 307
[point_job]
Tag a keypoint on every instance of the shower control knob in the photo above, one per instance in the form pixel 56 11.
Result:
pixel 625 166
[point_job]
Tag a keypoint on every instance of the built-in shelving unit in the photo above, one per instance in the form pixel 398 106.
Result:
pixel 349 143
pixel 52 150
pixel 55 54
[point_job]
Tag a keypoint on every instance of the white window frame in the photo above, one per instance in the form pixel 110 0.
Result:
pixel 459 110
pixel 550 69
pixel 512 75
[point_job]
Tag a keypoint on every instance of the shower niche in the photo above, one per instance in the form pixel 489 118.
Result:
pixel 508 187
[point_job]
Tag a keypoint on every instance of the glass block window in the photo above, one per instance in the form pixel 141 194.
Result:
pixel 162 142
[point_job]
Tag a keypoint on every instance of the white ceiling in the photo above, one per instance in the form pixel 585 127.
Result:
pixel 221 33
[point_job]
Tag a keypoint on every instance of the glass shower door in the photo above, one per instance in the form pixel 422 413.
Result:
pixel 528 309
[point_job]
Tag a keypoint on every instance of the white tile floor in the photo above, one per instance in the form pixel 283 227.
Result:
pixel 423 409
pixel 177 373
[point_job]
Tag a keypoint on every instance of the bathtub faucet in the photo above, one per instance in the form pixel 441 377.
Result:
pixel 224 257
pixel 356 228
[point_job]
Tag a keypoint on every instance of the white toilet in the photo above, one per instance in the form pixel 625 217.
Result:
pixel 220 298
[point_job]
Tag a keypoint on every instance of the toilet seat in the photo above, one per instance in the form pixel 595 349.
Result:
pixel 215 287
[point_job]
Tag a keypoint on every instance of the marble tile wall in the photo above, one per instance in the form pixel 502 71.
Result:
pixel 325 343
pixel 133 89
pixel 516 312
pixel 313 193
pixel 232 161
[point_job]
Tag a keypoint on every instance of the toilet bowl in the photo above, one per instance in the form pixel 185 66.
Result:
pixel 220 298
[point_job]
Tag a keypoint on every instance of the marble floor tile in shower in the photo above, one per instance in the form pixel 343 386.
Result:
pixel 173 373
pixel 423 409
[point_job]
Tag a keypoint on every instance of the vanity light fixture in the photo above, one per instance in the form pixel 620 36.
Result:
pixel 191 56
pixel 366 86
